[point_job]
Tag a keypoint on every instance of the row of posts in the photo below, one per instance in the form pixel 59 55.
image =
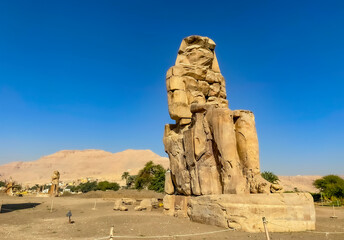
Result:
pixel 69 215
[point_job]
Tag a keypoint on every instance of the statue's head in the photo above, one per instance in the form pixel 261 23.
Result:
pixel 194 79
pixel 197 51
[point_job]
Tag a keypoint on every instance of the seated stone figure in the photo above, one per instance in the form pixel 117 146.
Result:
pixel 9 187
pixel 212 149
pixel 55 180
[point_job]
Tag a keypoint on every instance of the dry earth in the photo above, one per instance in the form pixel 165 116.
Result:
pixel 30 218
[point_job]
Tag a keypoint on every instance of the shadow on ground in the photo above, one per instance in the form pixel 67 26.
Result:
pixel 19 206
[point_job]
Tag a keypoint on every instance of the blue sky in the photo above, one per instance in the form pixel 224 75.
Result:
pixel 91 75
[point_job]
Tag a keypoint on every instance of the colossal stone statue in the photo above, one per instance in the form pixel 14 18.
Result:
pixel 55 180
pixel 212 149
pixel 214 174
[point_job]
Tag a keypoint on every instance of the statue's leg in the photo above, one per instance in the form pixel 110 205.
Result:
pixel 173 141
pixel 222 127
pixel 248 149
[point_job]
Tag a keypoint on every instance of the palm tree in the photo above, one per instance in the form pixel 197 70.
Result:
pixel 125 176
pixel 270 177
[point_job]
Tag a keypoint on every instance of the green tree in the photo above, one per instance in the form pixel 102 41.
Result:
pixel 2 184
pixel 330 186
pixel 270 177
pixel 152 177
pixel 158 181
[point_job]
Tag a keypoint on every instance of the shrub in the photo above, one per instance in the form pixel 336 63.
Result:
pixel 270 177
pixel 93 186
pixel 88 186
pixel 34 188
pixel 316 197
pixel 105 185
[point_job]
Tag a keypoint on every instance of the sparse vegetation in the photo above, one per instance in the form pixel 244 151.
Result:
pixel 85 187
pixel 94 186
pixel 105 185
pixel 2 184
pixel 270 177
pixel 17 187
pixel 34 188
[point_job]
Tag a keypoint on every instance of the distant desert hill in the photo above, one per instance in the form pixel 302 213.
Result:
pixel 302 183
pixel 76 164
pixel 102 165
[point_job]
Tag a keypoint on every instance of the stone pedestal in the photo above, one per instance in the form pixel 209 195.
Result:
pixel 176 205
pixel 289 212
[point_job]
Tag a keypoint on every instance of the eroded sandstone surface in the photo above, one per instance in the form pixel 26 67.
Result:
pixel 214 174
pixel 212 149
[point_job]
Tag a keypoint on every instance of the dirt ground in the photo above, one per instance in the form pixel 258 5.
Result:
pixel 31 218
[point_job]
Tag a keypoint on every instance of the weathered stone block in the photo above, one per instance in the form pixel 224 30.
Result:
pixel 169 188
pixel 176 205
pixel 284 212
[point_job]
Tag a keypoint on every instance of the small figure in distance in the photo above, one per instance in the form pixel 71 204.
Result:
pixel 69 215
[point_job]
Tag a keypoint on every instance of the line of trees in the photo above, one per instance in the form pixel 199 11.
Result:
pixel 151 176
pixel 94 186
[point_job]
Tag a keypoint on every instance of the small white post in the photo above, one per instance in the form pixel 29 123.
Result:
pixel 334 214
pixel 111 233
pixel 52 204
pixel 95 204
pixel 266 228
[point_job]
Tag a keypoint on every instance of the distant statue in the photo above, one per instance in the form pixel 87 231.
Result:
pixel 9 187
pixel 54 189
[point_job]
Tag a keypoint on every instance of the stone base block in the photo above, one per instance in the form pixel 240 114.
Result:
pixel 176 205
pixel 284 212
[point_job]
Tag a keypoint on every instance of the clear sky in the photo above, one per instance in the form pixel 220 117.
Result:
pixel 91 75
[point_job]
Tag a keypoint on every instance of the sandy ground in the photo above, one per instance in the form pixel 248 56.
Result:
pixel 30 218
